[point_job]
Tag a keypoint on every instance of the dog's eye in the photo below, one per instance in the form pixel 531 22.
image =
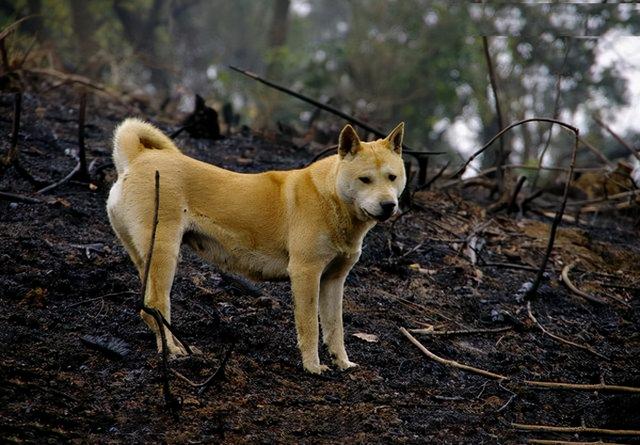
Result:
pixel 392 178
pixel 365 179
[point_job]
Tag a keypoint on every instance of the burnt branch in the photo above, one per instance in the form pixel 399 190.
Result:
pixel 330 109
pixel 502 155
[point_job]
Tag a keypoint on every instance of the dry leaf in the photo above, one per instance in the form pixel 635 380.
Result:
pixel 371 338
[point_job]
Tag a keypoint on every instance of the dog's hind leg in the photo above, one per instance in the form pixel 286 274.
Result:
pixel 330 304
pixel 162 270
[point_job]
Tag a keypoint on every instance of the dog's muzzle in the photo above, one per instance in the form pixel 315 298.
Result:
pixel 387 209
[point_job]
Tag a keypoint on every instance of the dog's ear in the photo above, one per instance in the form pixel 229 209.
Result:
pixel 395 138
pixel 348 142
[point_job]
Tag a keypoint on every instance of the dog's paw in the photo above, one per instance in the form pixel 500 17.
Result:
pixel 344 364
pixel 316 368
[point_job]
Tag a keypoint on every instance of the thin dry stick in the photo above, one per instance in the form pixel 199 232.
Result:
pixel 504 130
pixel 512 202
pixel 79 171
pixel 13 26
pixel 617 137
pixel 583 387
pixel 556 109
pixel 168 397
pixel 566 280
pixel 217 374
pixel 494 88
pixel 461 332
pixel 597 152
pixel 566 442
pixel 533 290
pixel 606 198
pixel 574 429
pixel 560 339
pixel 328 108
pixel 537 384
pixel 83 173
pixel 12 153
pixel 448 362
pixel 14 197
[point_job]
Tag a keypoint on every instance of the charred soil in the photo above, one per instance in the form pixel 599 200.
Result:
pixel 66 284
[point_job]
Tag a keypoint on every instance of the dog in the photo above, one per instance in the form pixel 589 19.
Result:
pixel 307 225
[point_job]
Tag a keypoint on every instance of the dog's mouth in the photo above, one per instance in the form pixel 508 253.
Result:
pixel 379 218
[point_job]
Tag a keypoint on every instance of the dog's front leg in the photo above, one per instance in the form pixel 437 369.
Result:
pixel 331 294
pixel 305 285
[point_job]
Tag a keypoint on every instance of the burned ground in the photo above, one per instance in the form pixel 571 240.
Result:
pixel 63 276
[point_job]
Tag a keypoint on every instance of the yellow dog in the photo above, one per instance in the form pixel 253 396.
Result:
pixel 307 224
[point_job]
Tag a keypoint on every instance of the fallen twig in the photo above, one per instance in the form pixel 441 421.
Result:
pixel 448 362
pixel 218 374
pixel 461 331
pixel 574 429
pixel 566 442
pixel 584 387
pixel 566 280
pixel 628 194
pixel 14 197
pixel 509 266
pixel 560 339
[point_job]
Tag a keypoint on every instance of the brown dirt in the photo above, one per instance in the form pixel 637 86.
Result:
pixel 63 276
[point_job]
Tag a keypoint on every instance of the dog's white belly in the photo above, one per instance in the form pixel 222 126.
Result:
pixel 234 257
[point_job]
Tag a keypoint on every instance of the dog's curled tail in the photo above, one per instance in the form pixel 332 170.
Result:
pixel 132 137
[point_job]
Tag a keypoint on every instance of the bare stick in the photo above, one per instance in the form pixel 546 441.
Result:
pixel 494 88
pixel 556 109
pixel 617 137
pixel 13 26
pixel 448 362
pixel 13 197
pixel 521 167
pixel 79 171
pixel 435 177
pixel 565 279
pixel 601 387
pixel 12 153
pixel 169 399
pixel 574 429
pixel 503 131
pixel 560 339
pixel 566 442
pixel 218 373
pixel 461 332
pixel 67 178
pixel 556 221
pixel 325 107
pixel 509 266
pixel 512 202
pixel 628 194
pixel 83 173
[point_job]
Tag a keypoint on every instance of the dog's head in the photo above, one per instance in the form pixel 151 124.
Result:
pixel 371 175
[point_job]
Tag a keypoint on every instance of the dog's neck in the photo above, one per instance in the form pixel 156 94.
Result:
pixel 350 230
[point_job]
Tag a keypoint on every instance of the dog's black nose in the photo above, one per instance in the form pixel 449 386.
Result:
pixel 387 209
